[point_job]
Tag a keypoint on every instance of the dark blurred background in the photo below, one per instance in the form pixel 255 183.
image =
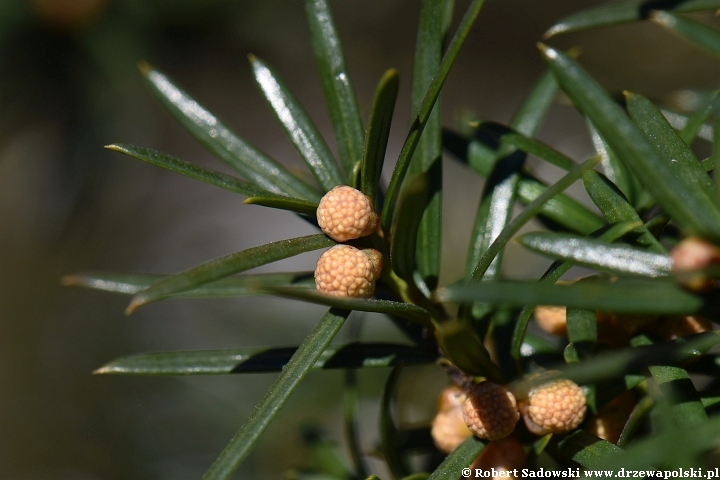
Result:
pixel 69 85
